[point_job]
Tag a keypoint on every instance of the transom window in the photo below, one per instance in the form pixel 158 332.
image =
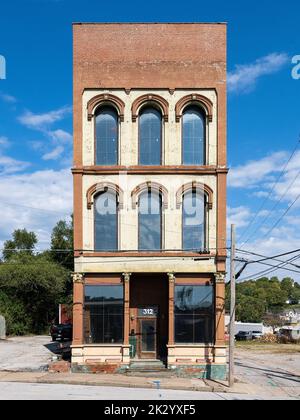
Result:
pixel 150 221
pixel 150 136
pixel 193 136
pixel 194 314
pixel 107 133
pixel 193 220
pixel 106 221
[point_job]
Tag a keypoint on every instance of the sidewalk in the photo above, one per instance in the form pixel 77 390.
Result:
pixel 173 383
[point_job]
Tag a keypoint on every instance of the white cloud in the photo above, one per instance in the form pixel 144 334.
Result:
pixel 239 216
pixel 54 154
pixel 4 142
pixel 9 165
pixel 8 98
pixel 35 201
pixel 42 121
pixel 258 171
pixel 244 78
pixel 61 136
pixel 60 140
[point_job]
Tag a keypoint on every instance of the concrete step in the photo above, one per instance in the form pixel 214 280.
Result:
pixel 146 366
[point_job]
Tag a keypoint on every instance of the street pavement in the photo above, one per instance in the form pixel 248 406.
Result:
pixel 259 373
pixel 28 391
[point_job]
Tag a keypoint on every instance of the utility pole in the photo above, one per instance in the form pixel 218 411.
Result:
pixel 232 307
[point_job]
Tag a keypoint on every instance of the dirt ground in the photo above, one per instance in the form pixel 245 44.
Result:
pixel 19 354
pixel 266 370
pixel 276 367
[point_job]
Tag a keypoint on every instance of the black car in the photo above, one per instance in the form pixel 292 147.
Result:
pixel 244 336
pixel 61 332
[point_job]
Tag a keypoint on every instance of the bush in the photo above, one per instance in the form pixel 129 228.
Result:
pixel 18 322
pixel 31 289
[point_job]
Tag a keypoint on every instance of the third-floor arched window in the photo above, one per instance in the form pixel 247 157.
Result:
pixel 193 136
pixel 107 136
pixel 150 136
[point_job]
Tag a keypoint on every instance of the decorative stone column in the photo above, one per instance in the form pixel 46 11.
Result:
pixel 126 277
pixel 78 301
pixel 220 309
pixel 171 308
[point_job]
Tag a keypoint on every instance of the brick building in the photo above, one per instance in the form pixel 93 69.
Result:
pixel 150 196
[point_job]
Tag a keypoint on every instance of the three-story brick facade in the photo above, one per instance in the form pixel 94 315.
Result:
pixel 150 195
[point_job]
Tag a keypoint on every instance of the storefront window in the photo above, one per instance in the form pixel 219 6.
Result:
pixel 103 316
pixel 194 320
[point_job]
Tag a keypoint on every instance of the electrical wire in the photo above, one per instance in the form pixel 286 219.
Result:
pixel 269 195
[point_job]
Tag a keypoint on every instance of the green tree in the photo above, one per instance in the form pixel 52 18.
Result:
pixel 34 285
pixel 62 244
pixel 250 309
pixel 22 242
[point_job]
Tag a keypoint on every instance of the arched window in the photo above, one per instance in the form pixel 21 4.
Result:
pixel 194 221
pixel 193 136
pixel 150 221
pixel 106 221
pixel 107 133
pixel 150 136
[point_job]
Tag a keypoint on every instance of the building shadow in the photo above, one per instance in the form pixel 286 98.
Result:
pixel 61 349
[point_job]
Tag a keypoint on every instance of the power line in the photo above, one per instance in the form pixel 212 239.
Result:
pixel 270 265
pixel 282 217
pixel 270 193
pixel 273 208
pixel 275 257
pixel 269 271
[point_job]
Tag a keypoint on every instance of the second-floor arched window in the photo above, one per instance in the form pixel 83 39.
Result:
pixel 194 221
pixel 150 136
pixel 193 136
pixel 150 221
pixel 106 221
pixel 107 133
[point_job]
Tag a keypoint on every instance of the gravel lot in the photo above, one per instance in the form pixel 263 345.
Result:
pixel 275 367
pixel 26 353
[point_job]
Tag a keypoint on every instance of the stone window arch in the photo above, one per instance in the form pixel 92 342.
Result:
pixel 103 187
pixel 105 100
pixel 150 100
pixel 196 100
pixel 148 186
pixel 195 186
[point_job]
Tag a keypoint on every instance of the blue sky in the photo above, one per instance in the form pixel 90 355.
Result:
pixel 263 110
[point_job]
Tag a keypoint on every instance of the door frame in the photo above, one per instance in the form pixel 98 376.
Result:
pixel 140 318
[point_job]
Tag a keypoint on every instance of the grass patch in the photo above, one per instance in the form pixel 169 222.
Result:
pixel 268 347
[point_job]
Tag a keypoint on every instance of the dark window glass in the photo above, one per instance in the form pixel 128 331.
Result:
pixel 193 221
pixel 150 221
pixel 193 136
pixel 106 222
pixel 194 314
pixel 150 129
pixel 107 137
pixel 103 315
